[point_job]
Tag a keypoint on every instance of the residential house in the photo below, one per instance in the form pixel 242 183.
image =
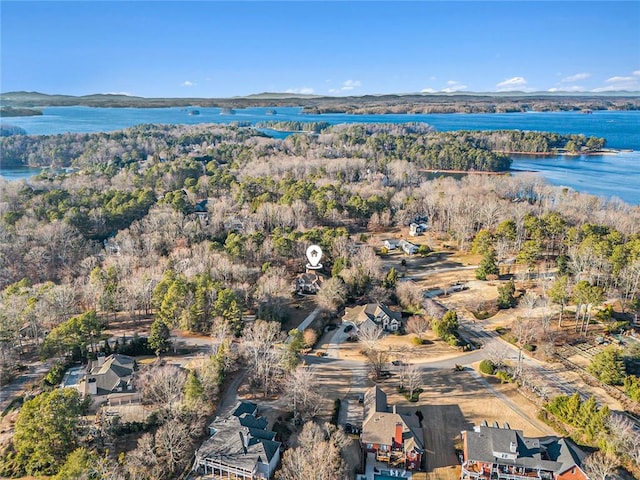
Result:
pixel 494 453
pixel 240 446
pixel 395 438
pixel 112 374
pixel 373 315
pixel 307 283
pixel 390 244
pixel 408 247
pixel 416 229
pixel 201 211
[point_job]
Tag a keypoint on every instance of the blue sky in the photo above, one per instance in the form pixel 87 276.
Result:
pixel 220 49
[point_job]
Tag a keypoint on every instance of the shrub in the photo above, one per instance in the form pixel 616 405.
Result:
pixel 336 411
pixel 487 367
pixel 56 373
pixel 632 387
pixel 505 377
pixel 417 341
pixel 424 250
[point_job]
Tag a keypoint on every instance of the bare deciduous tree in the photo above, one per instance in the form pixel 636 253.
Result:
pixel 600 466
pixel 409 295
pixel 163 386
pixel 496 354
pixel 317 456
pixel 369 335
pixel 265 361
pixel 301 387
pixel 413 379
pixel 173 443
pixel 418 324
pixel 377 360
pixel 142 463
pixel 332 294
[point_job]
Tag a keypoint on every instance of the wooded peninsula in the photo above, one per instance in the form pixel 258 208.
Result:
pixel 376 145
pixel 368 104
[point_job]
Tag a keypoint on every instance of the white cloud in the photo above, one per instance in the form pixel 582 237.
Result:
pixel 511 84
pixel 351 84
pixel 427 90
pixel 576 78
pixel 346 86
pixel 432 78
pixel 119 93
pixel 301 90
pixel 188 83
pixel 620 79
pixel 620 82
pixel 572 88
pixel 637 73
pixel 454 86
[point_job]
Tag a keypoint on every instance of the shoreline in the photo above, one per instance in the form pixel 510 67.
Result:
pixel 605 151
pixel 464 172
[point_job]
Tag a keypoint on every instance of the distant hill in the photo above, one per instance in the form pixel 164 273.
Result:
pixel 440 102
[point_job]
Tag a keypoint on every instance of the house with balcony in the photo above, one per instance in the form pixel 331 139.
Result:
pixel 373 315
pixel 240 446
pixel 393 437
pixel 494 453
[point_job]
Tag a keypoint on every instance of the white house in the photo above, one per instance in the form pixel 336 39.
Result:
pixel 390 244
pixel 408 247
pixel 416 229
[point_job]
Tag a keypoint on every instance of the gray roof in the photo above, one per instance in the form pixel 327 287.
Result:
pixel 370 311
pixel 114 372
pixel 546 453
pixel 245 407
pixel 379 424
pixel 240 440
pixel 375 400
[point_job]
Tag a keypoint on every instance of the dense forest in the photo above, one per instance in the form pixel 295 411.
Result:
pixel 196 225
pixel 18 112
pixel 367 104
pixel 376 145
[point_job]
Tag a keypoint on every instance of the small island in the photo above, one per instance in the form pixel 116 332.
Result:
pixel 19 112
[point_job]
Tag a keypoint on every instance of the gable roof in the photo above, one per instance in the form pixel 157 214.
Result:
pixel 545 453
pixel 115 371
pixel 240 439
pixel 379 424
pixel 370 311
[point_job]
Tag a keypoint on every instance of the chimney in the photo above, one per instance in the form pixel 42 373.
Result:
pixel 244 445
pixel 100 359
pixel 398 436
pixel 394 408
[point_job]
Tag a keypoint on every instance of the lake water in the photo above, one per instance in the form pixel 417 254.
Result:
pixel 18 173
pixel 616 175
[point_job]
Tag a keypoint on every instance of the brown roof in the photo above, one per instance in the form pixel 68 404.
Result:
pixel 380 424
